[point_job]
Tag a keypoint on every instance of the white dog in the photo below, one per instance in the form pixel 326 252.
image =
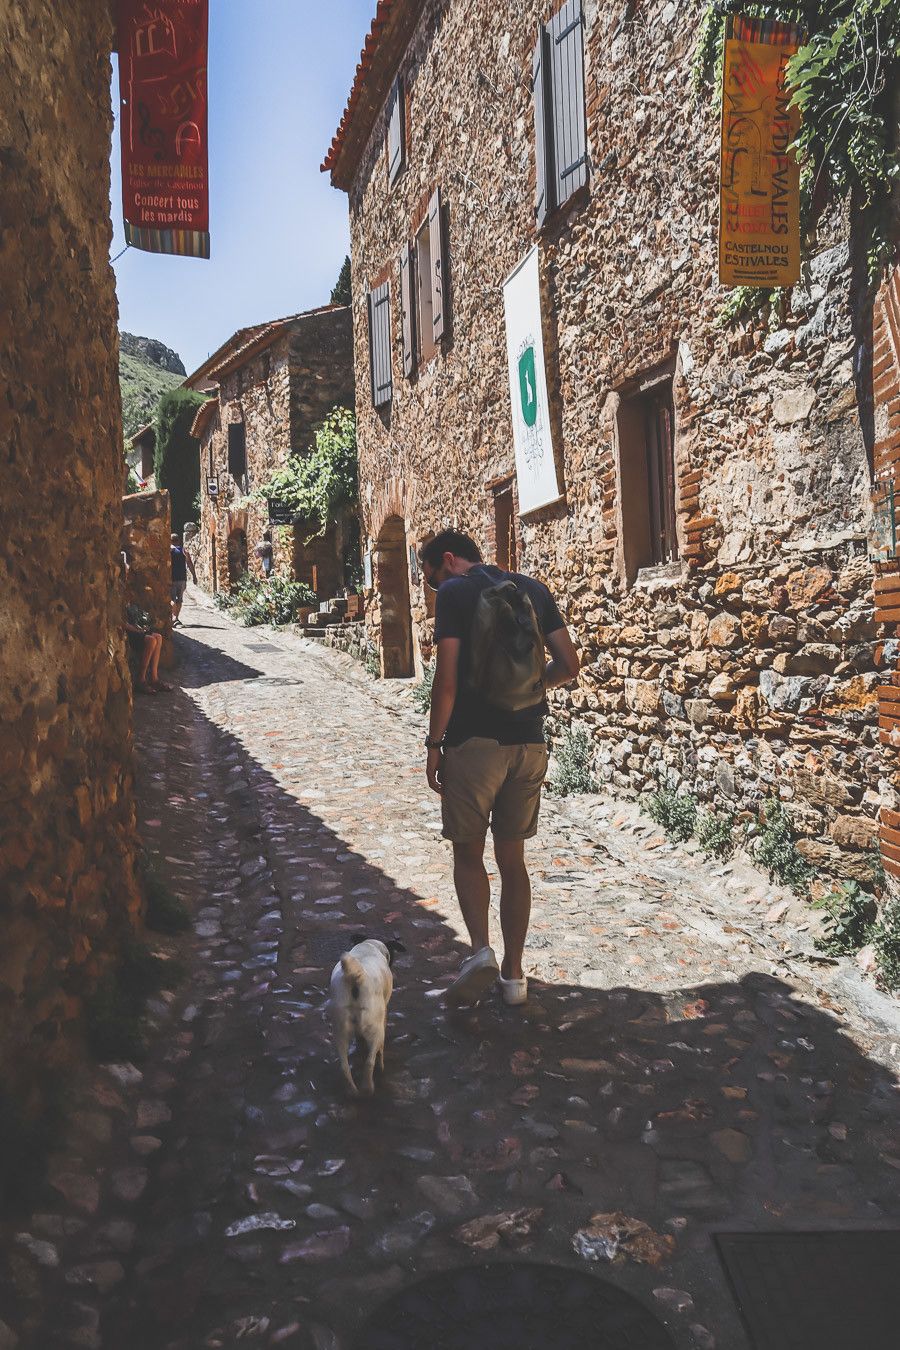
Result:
pixel 361 988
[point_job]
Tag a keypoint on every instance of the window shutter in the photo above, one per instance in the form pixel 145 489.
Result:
pixel 438 286
pixel 396 132
pixel 407 311
pixel 567 79
pixel 543 137
pixel 380 344
pixel 237 449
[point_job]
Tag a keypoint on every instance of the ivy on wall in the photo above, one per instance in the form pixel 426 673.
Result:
pixel 319 485
pixel 844 80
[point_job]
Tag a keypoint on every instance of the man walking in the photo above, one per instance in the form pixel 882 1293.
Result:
pixel 486 752
pixel 181 561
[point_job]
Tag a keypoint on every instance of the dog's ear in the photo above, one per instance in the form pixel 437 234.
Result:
pixel 357 937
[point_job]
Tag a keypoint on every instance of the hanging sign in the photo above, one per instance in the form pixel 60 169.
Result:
pixel 162 117
pixel 535 464
pixel 759 198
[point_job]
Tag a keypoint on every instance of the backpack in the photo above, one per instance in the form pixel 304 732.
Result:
pixel 506 648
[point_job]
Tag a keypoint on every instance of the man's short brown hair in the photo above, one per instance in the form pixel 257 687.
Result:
pixel 449 541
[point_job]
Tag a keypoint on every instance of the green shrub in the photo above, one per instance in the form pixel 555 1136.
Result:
pixel 573 763
pixel 163 912
pixel 176 461
pixel 849 912
pixel 254 600
pixel 421 695
pixel 372 665
pixel 885 938
pixel 776 851
pixel 676 812
pixel 714 834
pixel 322 483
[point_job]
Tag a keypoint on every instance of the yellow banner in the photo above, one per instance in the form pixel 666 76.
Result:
pixel 759 199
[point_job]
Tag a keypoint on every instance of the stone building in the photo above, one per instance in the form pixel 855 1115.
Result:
pixel 270 386
pixel 67 885
pixel 139 455
pixel 711 543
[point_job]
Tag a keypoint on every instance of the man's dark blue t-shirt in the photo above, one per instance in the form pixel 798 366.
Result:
pixel 179 563
pixel 457 598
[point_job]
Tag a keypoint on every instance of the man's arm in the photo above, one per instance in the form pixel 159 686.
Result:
pixel 564 664
pixel 443 697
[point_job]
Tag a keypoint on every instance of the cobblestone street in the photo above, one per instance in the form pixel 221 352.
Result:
pixel 681 1067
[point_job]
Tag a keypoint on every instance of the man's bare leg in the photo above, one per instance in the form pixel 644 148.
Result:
pixel 515 904
pixel 473 890
pixel 154 658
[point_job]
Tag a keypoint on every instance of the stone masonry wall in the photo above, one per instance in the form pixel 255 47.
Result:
pixel 281 394
pixel 67 887
pixel 751 662
pixel 146 535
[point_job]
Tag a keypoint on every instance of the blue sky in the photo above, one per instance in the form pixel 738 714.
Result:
pixel 279 75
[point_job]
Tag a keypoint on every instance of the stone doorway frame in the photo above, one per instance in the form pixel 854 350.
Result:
pixel 391 581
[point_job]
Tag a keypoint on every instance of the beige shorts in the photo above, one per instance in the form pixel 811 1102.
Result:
pixel 489 784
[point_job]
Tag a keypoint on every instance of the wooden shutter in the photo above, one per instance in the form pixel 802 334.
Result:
pixel 407 311
pixel 438 286
pixel 237 449
pixel 567 80
pixel 543 136
pixel 396 136
pixel 380 344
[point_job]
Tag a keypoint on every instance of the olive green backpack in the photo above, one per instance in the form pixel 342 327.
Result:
pixel 506 648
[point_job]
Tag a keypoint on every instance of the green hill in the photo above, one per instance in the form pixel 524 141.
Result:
pixel 142 381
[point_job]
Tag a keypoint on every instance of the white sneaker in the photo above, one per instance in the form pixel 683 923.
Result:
pixel 514 991
pixel 476 975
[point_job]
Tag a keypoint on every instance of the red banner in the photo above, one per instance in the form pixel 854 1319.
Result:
pixel 162 110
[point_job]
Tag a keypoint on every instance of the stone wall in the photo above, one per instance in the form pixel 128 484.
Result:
pixel 281 394
pixel 66 809
pixel 750 662
pixel 146 535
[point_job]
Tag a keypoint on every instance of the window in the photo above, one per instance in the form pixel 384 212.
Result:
pixel 380 344
pixel 237 451
pixel 396 132
pixel 504 527
pixel 423 290
pixel 559 110
pixel 646 451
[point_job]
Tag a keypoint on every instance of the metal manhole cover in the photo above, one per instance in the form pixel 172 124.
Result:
pixel 816 1291
pixel 514 1306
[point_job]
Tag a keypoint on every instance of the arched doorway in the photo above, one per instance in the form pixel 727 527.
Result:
pixel 392 585
pixel 237 556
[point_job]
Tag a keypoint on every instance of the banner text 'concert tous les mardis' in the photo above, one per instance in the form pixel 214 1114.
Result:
pixel 163 113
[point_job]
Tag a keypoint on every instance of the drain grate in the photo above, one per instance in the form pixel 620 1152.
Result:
pixel 816 1291
pixel 261 647
pixel 514 1306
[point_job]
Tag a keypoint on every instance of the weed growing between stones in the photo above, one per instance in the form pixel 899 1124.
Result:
pixel 776 851
pixel 885 938
pixel 676 812
pixel 163 912
pixel 422 693
pixel 372 665
pixel 714 834
pixel 255 600
pixel 573 764
pixel 849 912
pixel 113 1011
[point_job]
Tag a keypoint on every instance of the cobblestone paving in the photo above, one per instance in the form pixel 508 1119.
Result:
pixel 680 1067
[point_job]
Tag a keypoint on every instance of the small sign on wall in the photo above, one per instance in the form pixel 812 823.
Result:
pixel 212 485
pixel 367 570
pixel 279 514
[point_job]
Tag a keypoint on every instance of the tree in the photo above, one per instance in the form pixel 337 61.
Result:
pixel 177 457
pixel 340 295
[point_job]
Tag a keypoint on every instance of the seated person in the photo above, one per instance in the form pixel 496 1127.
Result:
pixel 147 646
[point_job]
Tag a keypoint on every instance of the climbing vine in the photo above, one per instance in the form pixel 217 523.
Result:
pixel 317 486
pixel 843 79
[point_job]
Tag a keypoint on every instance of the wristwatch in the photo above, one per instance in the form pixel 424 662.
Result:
pixel 434 745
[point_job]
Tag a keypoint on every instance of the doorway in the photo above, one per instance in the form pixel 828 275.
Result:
pixel 392 586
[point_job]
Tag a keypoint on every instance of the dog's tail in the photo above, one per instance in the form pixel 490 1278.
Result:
pixel 354 973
